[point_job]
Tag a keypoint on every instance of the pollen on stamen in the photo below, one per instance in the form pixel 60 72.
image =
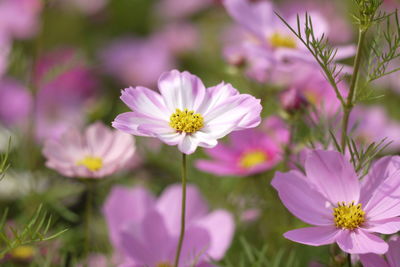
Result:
pixel 280 40
pixel 348 216
pixel 186 121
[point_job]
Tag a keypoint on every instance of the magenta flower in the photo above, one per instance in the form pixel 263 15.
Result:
pixel 249 151
pixel 186 113
pixel 96 153
pixel 146 230
pixel 392 256
pixel 15 102
pixel 341 208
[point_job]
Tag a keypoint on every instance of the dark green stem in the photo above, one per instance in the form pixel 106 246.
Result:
pixel 88 216
pixel 349 260
pixel 183 209
pixel 351 98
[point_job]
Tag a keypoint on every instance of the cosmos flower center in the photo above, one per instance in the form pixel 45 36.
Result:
pixel 252 159
pixel 280 40
pixel 186 121
pixel 163 264
pixel 91 163
pixel 348 216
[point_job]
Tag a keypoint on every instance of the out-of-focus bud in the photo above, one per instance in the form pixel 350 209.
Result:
pixel 292 100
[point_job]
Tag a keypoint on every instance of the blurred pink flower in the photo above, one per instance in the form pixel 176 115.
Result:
pixel 250 215
pixel 15 102
pixel 179 37
pixel 96 153
pixel 65 86
pixel 373 124
pixel 175 9
pixel 270 50
pixel 19 18
pixel 146 230
pixel 133 60
pixel 392 256
pixel 186 113
pixel 249 152
pixel 277 129
pixel 343 209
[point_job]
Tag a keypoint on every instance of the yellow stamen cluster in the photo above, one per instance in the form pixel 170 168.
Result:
pixel 91 163
pixel 279 40
pixel 163 264
pixel 23 253
pixel 252 159
pixel 348 216
pixel 186 121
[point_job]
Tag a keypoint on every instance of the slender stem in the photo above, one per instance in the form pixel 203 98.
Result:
pixel 349 260
pixel 347 108
pixel 184 178
pixel 88 216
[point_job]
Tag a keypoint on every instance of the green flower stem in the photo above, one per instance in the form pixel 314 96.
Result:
pixel 351 98
pixel 88 218
pixel 182 233
pixel 349 260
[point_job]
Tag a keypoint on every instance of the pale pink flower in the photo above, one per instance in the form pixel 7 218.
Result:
pixel 187 114
pixel 15 102
pixel 392 256
pixel 96 153
pixel 342 209
pixel 175 9
pixel 145 230
pixel 248 152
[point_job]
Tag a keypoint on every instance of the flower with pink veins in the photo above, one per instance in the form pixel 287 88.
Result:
pixel 249 152
pixel 342 209
pixel 96 153
pixel 145 230
pixel 187 114
pixel 272 51
pixel 392 256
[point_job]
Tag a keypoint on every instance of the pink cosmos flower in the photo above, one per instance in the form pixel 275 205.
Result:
pixel 373 124
pixel 132 61
pixel 269 48
pixel 96 153
pixel 65 87
pixel 175 9
pixel 392 256
pixel 186 113
pixel 15 102
pixel 341 208
pixel 249 151
pixel 146 230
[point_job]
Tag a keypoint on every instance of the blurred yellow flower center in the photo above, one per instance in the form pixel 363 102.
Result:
pixel 312 97
pixel 186 121
pixel 164 264
pixel 279 40
pixel 91 163
pixel 348 216
pixel 252 159
pixel 22 252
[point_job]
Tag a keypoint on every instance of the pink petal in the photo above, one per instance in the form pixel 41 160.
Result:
pixel 181 90
pixel 386 226
pixel 146 102
pixel 360 242
pixel 195 244
pixel 221 227
pixel 301 200
pixel 393 255
pixel 333 175
pixel 373 260
pixel 313 236
pixel 169 205
pixel 135 123
pixel 216 167
pixel 385 200
pixel 124 206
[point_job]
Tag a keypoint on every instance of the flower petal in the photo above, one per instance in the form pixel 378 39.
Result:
pixel 313 236
pixel 301 200
pixel 372 260
pixel 135 123
pixel 360 242
pixel 387 226
pixel 393 255
pixel 169 205
pixel 221 227
pixel 181 90
pixel 333 175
